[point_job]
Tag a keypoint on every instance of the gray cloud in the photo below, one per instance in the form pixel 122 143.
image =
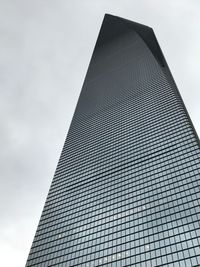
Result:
pixel 45 48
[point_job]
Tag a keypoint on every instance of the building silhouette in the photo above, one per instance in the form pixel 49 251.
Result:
pixel 126 190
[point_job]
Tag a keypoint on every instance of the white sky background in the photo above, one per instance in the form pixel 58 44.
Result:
pixel 45 48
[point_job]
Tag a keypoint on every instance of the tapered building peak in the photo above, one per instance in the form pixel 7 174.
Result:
pixel 114 27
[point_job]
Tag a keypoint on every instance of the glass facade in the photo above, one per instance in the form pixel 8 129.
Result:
pixel 126 191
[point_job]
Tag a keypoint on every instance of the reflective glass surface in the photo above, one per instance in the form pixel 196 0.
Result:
pixel 126 191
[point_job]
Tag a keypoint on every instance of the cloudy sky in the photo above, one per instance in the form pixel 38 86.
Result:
pixel 45 48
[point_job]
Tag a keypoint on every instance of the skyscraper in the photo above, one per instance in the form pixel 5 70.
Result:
pixel 126 191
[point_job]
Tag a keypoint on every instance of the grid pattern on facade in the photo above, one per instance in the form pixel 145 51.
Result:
pixel 126 191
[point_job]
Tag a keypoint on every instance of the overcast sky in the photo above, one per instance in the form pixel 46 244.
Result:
pixel 45 48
